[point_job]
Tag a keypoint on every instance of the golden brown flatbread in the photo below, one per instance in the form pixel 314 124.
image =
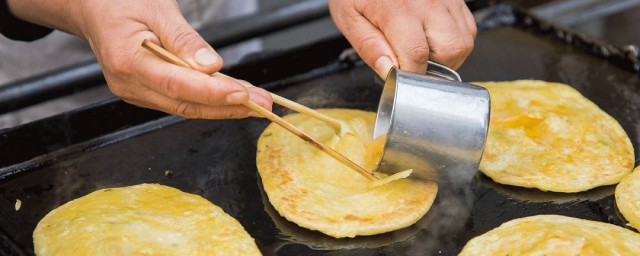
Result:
pixel 548 136
pixel 315 191
pixel 628 198
pixel 146 219
pixel 554 235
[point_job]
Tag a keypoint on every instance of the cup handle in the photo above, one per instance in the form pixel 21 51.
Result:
pixel 442 71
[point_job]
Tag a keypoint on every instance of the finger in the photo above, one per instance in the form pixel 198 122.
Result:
pixel 469 20
pixel 457 11
pixel 366 39
pixel 407 38
pixel 373 47
pixel 189 85
pixel 261 97
pixel 187 109
pixel 154 100
pixel 448 45
pixel 178 37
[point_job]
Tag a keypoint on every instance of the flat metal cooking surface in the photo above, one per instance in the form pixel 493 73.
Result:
pixel 216 159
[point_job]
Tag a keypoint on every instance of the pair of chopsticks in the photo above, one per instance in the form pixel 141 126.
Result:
pixel 166 55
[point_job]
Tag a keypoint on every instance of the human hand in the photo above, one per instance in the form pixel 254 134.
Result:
pixel 406 33
pixel 115 30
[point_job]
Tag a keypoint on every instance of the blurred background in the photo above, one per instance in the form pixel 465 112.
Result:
pixel 31 73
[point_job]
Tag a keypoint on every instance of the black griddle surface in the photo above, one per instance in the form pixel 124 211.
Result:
pixel 216 159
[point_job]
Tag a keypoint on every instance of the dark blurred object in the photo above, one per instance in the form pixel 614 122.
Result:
pixel 14 28
pixel 619 29
pixel 625 56
pixel 613 21
pixel 574 12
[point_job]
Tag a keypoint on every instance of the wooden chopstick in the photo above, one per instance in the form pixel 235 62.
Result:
pixel 168 56
pixel 295 106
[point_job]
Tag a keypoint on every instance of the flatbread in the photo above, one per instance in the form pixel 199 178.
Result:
pixel 554 235
pixel 146 219
pixel 548 136
pixel 316 192
pixel 628 198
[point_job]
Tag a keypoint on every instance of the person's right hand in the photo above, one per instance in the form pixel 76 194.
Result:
pixel 115 30
pixel 406 33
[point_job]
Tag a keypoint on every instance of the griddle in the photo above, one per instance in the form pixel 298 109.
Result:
pixel 50 162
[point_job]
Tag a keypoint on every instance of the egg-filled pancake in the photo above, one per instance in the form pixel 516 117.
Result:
pixel 548 136
pixel 628 198
pixel 317 192
pixel 146 219
pixel 554 235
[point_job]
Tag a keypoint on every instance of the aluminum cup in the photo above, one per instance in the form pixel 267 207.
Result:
pixel 434 124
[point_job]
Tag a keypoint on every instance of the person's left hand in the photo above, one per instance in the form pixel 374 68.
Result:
pixel 406 33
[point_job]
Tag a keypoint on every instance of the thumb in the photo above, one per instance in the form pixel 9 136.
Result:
pixel 178 37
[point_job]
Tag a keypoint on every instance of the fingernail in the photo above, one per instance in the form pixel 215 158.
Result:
pixel 205 57
pixel 254 114
pixel 236 98
pixel 383 65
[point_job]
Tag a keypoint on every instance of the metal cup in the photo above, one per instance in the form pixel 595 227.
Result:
pixel 434 124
